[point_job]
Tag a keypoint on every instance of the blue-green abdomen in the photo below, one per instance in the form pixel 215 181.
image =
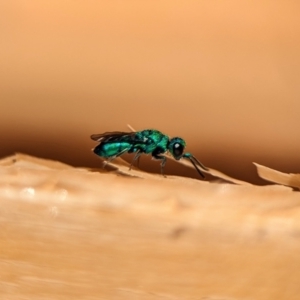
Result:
pixel 112 149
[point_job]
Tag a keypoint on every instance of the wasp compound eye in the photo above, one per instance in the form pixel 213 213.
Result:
pixel 178 149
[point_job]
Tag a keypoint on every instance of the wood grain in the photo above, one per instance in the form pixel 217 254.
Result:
pixel 70 233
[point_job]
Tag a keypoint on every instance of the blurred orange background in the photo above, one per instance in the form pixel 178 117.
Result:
pixel 224 75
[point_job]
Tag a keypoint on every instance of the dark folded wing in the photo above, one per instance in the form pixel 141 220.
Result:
pixel 112 136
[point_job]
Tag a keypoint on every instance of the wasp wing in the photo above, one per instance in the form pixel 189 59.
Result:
pixel 116 136
pixel 111 136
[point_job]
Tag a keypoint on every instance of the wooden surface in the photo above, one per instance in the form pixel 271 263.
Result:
pixel 71 233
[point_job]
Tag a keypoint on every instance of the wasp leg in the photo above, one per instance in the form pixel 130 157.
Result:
pixel 156 154
pixel 107 161
pixel 136 158
pixel 138 162
pixel 162 164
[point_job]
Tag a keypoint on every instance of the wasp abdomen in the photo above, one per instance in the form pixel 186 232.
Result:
pixel 112 149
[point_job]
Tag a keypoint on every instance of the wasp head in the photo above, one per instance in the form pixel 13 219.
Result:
pixel 176 147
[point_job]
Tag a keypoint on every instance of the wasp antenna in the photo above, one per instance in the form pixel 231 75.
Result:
pixel 194 164
pixel 199 163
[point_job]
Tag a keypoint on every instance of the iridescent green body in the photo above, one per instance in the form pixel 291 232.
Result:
pixel 149 141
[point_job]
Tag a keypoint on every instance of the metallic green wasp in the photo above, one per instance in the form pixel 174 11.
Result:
pixel 149 141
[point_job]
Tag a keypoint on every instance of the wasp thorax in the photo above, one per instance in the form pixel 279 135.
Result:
pixel 176 147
